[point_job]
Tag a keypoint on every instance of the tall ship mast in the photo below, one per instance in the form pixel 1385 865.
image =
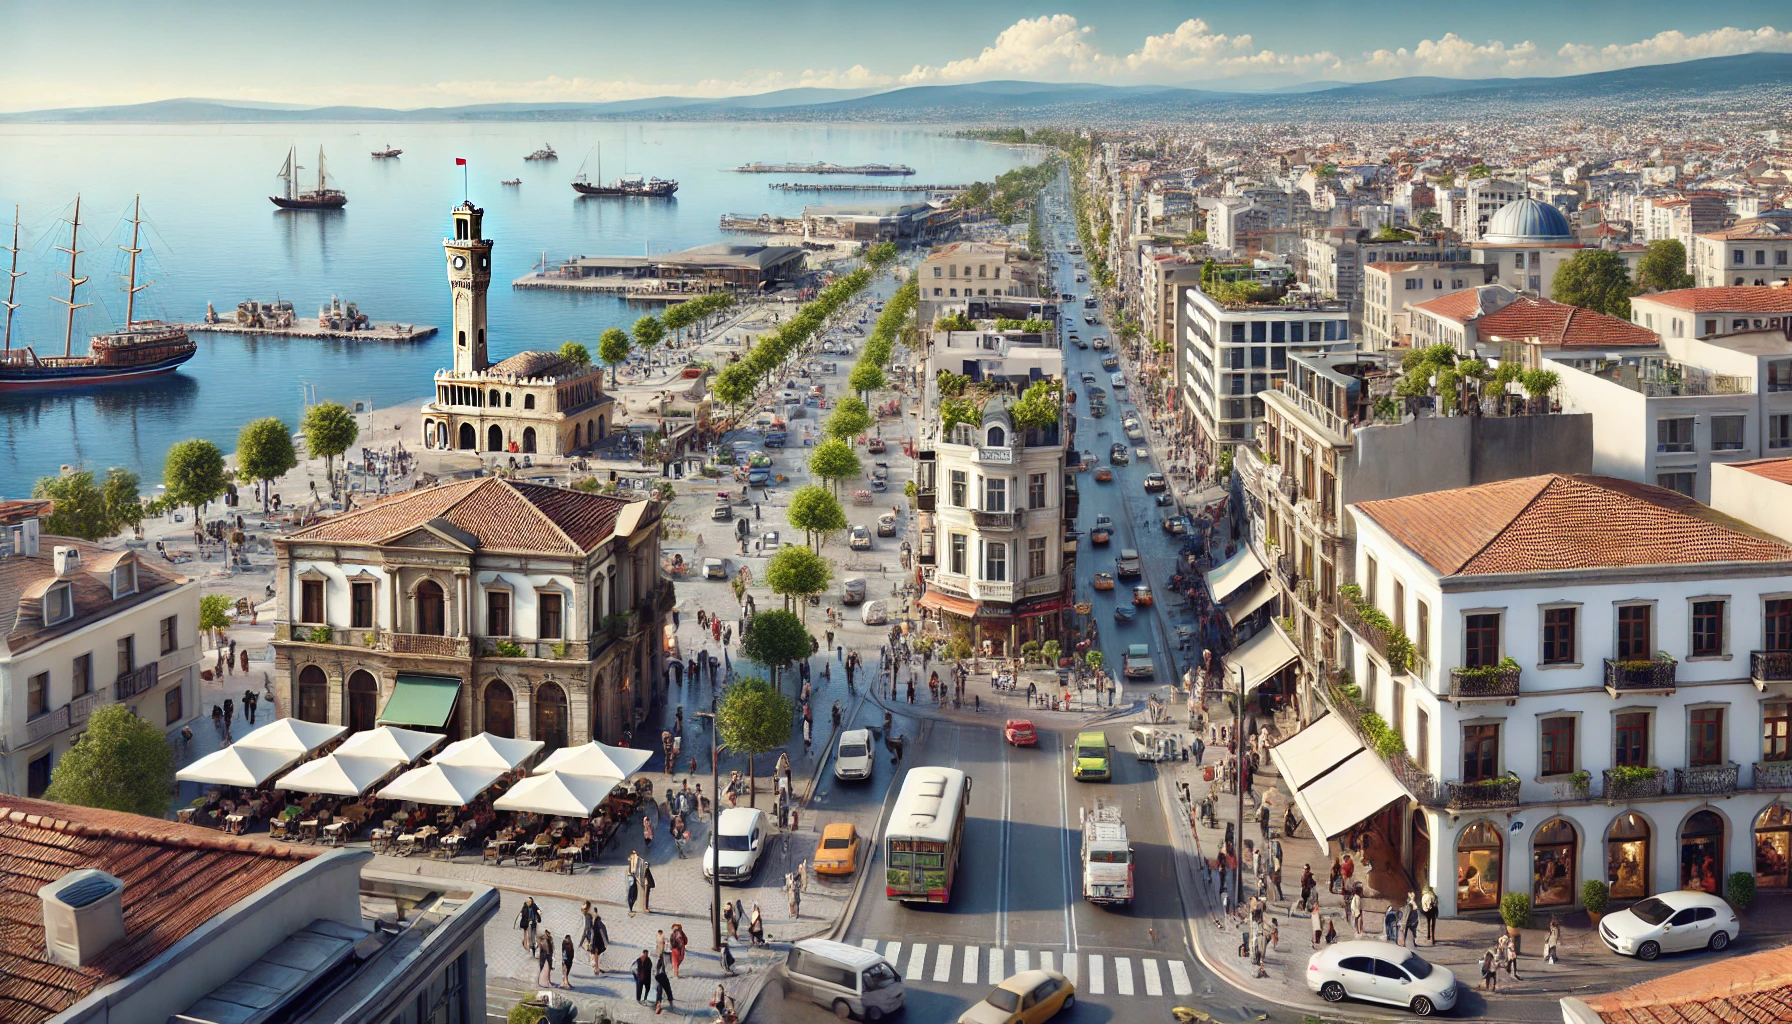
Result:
pixel 12 276
pixel 142 348
pixel 627 186
pixel 320 198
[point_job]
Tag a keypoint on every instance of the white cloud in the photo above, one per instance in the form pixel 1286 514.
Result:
pixel 1049 46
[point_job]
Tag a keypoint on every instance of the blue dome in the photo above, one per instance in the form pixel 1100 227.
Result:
pixel 1528 220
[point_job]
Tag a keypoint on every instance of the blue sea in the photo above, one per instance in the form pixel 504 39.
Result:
pixel 212 236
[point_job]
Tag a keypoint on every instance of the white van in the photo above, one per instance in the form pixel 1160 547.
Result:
pixel 874 613
pixel 852 758
pixel 853 982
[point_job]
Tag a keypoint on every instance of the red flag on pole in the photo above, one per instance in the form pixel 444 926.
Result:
pixel 460 161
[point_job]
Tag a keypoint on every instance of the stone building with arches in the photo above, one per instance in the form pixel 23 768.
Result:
pixel 480 606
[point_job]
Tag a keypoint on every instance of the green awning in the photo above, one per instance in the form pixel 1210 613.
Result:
pixel 426 702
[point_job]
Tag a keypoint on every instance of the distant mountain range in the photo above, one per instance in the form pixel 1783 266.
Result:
pixel 1730 77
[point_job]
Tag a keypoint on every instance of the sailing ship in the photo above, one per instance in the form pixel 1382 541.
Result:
pixel 511 181
pixel 381 154
pixel 628 185
pixel 320 198
pixel 546 152
pixel 142 348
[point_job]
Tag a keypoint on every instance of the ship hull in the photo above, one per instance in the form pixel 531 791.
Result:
pixel 23 378
pixel 609 191
pixel 306 203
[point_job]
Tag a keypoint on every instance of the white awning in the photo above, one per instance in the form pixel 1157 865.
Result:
pixel 338 774
pixel 443 785
pixel 1228 576
pixel 1245 602
pixel 236 766
pixel 390 742
pixel 594 759
pixel 1261 657
pixel 291 736
pixel 558 793
pixel 1337 783
pixel 487 751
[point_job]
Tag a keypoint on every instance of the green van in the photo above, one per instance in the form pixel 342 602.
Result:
pixel 1091 757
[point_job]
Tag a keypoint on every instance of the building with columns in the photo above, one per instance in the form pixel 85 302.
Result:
pixel 479 606
pixel 533 403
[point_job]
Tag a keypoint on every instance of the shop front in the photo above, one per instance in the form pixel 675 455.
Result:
pixel 1702 852
pixel 1554 853
pixel 1773 844
pixel 1480 863
pixel 1627 857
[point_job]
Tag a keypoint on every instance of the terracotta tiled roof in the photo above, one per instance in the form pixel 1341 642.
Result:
pixel 1729 299
pixel 176 878
pixel 1461 306
pixel 537 364
pixel 1777 470
pixel 501 514
pixel 1561 522
pixel 1557 325
pixel 1770 225
pixel 21 509
pixel 25 579
pixel 1752 989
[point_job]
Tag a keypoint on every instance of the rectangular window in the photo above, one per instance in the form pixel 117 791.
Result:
pixel 1776 732
pixel 1674 435
pixel 1369 573
pixel 549 617
pixel 1558 746
pixel 127 655
pixel 995 562
pixel 1779 431
pixel 497 613
pixel 1399 609
pixel 1036 490
pixel 1421 634
pixel 958 554
pixel 1558 636
pixel 1680 483
pixel 1776 631
pixel 995 495
pixel 1630 738
pixel 1634 641
pixel 37 695
pixel 1422 725
pixel 1707 629
pixel 1736 256
pixel 1705 745
pixel 1726 433
pixel 82 684
pixel 1397 707
pixel 1035 557
pixel 171 706
pixel 1480 752
pixel 170 634
pixel 37 776
pixel 1481 641
pixel 311 601
pixel 360 604
pixel 959 487
pixel 59 603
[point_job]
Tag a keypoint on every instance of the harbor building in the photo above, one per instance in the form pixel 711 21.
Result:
pixel 722 266
pixel 534 402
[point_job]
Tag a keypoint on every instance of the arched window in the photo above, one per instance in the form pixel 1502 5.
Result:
pixel 1479 867
pixel 494 439
pixel 506 399
pixel 1702 852
pixel 598 432
pixel 500 710
pixel 492 399
pixel 1627 857
pixel 363 701
pixel 1773 847
pixel 469 438
pixel 529 439
pixel 1553 851
pixel 313 698
pixel 528 401
pixel 432 609
pixel 442 435
pixel 575 435
pixel 550 716
pixel 998 438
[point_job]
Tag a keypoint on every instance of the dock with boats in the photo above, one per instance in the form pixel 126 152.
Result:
pixel 891 170
pixel 372 332
pixel 799 186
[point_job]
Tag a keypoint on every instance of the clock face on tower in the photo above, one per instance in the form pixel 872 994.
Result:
pixel 460 263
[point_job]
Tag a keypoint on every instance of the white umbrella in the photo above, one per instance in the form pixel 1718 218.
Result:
pixel 446 785
pixel 594 758
pixel 557 793
pixel 291 736
pixel 387 741
pixel 488 751
pixel 338 775
pixel 236 766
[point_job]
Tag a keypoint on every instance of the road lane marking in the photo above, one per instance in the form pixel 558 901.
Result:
pixel 1070 964
pixel 1123 975
pixel 1097 983
pixel 970 965
pixel 917 961
pixel 1064 853
pixel 893 953
pixel 1179 982
pixel 870 944
pixel 942 964
pixel 996 977
pixel 1045 960
pixel 1154 986
pixel 1023 960
pixel 1007 829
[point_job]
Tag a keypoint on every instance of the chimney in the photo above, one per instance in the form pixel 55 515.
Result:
pixel 83 915
pixel 68 559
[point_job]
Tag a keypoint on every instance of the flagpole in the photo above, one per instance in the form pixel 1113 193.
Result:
pixel 464 190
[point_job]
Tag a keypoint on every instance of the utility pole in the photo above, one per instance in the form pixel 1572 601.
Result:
pixel 1238 744
pixel 715 815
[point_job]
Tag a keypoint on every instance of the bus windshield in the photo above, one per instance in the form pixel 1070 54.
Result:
pixel 1109 856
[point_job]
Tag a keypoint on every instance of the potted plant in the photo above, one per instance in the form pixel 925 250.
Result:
pixel 1595 896
pixel 1515 910
pixel 1742 889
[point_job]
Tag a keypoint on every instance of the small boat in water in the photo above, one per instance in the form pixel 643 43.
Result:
pixel 627 186
pixel 320 198
pixel 385 154
pixel 511 181
pixel 546 152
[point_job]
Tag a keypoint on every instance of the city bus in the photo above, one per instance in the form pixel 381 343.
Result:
pixel 926 835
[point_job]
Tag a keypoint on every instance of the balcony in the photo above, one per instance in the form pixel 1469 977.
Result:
pixel 1769 667
pixel 1350 614
pixel 424 645
pixel 1707 780
pixel 1656 675
pixel 1317 518
pixel 47 724
pixel 81 708
pixel 142 678
pixel 331 635
pixel 543 650
pixel 1634 783
pixel 989 590
pixel 1484 795
pixel 1042 586
pixel 995 520
pixel 1309 593
pixel 1494 682
pixel 1773 775
pixel 1286 576
pixel 925 501
pixel 956 584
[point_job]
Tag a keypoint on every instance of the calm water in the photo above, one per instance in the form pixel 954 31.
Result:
pixel 213 236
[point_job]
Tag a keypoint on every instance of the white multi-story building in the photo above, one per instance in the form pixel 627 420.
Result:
pixel 1756 251
pixel 1704 312
pixel 1486 197
pixel 958 271
pixel 1391 288
pixel 1230 353
pixel 85 627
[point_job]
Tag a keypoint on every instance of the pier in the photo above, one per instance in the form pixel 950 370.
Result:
pixel 891 170
pixel 377 332
pixel 798 186
pixel 633 293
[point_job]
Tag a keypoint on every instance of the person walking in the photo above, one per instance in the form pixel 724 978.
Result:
pixel 596 937
pixel 643 971
pixel 1315 924
pixel 634 893
pixel 1552 940
pixel 1409 927
pixel 528 919
pixel 1511 956
pixel 1356 911
pixel 566 953
pixel 647 888
pixel 1428 907
pixel 1307 885
pixel 544 959
pixel 756 927
pixel 662 985
pixel 732 920
pixel 1490 975
pixel 679 943
pixel 1390 923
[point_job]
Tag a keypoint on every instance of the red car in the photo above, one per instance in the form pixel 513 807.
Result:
pixel 1020 732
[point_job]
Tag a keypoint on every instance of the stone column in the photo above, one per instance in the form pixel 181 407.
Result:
pixel 523 690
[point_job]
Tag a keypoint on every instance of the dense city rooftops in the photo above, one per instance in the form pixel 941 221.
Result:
pixel 489 513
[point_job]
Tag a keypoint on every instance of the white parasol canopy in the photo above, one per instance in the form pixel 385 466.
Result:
pixel 488 751
pixel 558 793
pixel 291 736
pixel 391 742
pixel 445 785
pixel 338 775
pixel 236 766
pixel 596 759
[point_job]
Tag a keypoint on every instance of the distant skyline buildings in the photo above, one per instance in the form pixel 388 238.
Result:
pixel 411 53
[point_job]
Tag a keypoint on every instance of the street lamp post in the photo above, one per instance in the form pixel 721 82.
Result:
pixel 715 813
pixel 1238 744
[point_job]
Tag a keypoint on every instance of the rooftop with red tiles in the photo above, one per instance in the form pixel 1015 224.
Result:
pixel 501 515
pixel 1535 321
pixel 1726 299
pixel 1751 989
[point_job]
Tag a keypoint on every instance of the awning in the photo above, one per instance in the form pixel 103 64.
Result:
pixel 291 736
pixel 338 775
pixel 1232 574
pixel 488 751
pixel 1261 657
pixel 404 745
pixel 596 759
pixel 236 766
pixel 1247 601
pixel 1337 783
pixel 426 701
pixel 558 793
pixel 440 784
pixel 958 606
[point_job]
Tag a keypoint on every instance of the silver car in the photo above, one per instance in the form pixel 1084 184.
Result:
pixel 1380 972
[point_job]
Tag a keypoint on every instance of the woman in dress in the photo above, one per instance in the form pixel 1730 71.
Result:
pixel 566 960
pixel 679 942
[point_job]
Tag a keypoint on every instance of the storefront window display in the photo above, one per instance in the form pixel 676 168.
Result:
pixel 1552 864
pixel 1627 857
pixel 1478 867
pixel 1702 852
pixel 1773 844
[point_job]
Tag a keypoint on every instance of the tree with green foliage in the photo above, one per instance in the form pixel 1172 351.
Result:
pixel 834 460
pixel 329 431
pixel 677 317
pixel 575 353
pixel 265 453
pixel 1663 267
pixel 815 511
pixel 865 378
pixel 1037 409
pixel 797 573
pixel 1595 279
pixel 121 763
pixel 753 717
pixel 124 498
pixel 954 322
pixel 194 474
pixel 649 332
pixel 849 419
pixel 613 347
pixel 214 615
pixel 1390 233
pixel 79 509
pixel 776 639
pixel 881 255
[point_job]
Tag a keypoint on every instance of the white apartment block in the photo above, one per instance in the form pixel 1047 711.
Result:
pixel 1704 312
pixel 1390 289
pixel 1757 251
pixel 1230 354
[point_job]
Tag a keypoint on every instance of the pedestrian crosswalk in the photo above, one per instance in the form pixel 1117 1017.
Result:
pixel 1093 973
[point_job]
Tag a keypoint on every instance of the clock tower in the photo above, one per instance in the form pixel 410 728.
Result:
pixel 469 276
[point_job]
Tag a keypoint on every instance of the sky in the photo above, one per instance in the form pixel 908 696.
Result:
pixel 424 53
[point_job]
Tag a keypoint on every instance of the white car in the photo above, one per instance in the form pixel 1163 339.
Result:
pixel 1670 923
pixel 852 758
pixel 741 834
pixel 1380 972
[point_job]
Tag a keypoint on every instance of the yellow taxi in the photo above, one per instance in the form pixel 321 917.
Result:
pixel 838 853
pixel 1029 997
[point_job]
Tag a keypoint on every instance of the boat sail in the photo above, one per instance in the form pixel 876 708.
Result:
pixel 321 198
pixel 629 185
